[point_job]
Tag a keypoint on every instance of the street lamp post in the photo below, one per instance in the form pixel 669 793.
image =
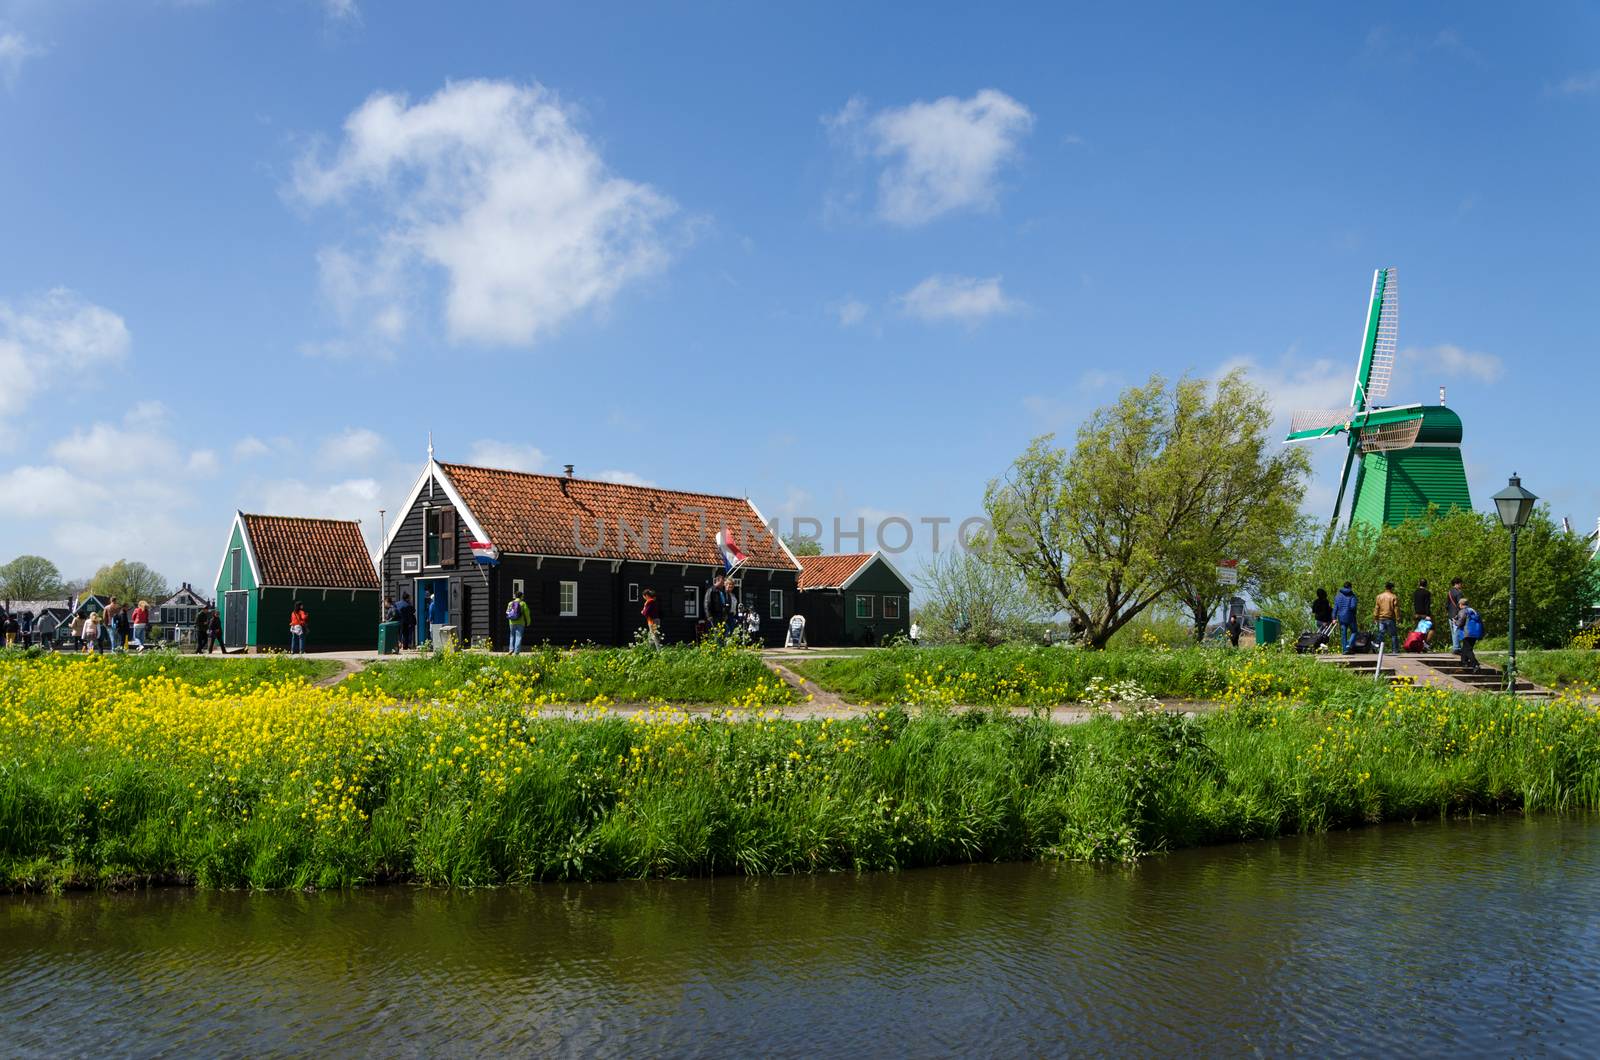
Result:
pixel 1514 505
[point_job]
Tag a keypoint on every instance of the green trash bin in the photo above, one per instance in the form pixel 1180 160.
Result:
pixel 388 637
pixel 1268 630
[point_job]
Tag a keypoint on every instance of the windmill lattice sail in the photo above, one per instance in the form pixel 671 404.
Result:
pixel 1390 436
pixel 1319 420
pixel 1387 337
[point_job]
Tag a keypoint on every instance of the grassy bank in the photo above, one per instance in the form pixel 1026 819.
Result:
pixel 234 673
pixel 1554 668
pixel 707 673
pixel 1038 677
pixel 106 779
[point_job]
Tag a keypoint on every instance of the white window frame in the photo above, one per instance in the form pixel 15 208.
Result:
pixel 565 611
pixel 430 512
pixel 864 598
pixel 891 599
pixel 633 592
pixel 691 602
pixel 774 603
pixel 517 586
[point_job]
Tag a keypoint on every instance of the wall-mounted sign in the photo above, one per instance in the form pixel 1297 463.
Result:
pixel 410 564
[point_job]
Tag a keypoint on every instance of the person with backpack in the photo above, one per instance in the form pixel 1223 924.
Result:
pixel 297 629
pixel 1386 612
pixel 406 615
pixel 517 621
pixel 1471 625
pixel 652 619
pixel 1345 607
pixel 1452 604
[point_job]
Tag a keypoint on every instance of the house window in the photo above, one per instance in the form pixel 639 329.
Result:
pixel 569 599
pixel 691 602
pixel 775 603
pixel 516 587
pixel 633 592
pixel 863 606
pixel 430 524
pixel 891 607
pixel 237 562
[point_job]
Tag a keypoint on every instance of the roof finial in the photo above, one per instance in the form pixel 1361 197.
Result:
pixel 430 447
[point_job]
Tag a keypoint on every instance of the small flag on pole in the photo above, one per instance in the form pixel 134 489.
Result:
pixel 484 552
pixel 732 556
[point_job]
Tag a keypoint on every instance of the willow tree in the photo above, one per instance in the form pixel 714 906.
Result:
pixel 1160 486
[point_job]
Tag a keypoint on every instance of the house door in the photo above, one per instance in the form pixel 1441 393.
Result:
pixel 235 617
pixel 431 610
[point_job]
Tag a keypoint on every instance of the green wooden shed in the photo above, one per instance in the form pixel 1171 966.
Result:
pixel 853 598
pixel 273 561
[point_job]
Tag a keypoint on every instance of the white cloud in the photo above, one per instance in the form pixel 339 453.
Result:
pixel 1453 361
pixel 626 478
pixel 494 184
pixel 1579 84
pixel 512 456
pixel 203 462
pixel 107 449
pixel 46 492
pixel 966 299
pixel 342 10
pixel 250 447
pixel 850 312
pixel 15 49
pixel 939 156
pixel 57 334
pixel 352 447
pixel 1293 385
pixel 355 498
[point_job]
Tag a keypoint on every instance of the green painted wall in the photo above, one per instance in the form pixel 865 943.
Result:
pixel 334 620
pixel 1401 485
pixel 246 581
pixel 876 581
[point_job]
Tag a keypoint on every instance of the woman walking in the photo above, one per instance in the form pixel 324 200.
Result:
pixel 297 629
pixel 652 619
pixel 91 632
pixel 141 624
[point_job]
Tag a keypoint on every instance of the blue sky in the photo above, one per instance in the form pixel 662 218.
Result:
pixel 846 261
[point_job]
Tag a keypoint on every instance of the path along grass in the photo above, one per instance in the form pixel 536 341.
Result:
pixel 106 778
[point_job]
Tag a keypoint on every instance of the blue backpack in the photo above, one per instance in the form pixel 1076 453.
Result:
pixel 1474 625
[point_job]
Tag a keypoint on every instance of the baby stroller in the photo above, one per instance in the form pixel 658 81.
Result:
pixel 1417 639
pixel 1315 640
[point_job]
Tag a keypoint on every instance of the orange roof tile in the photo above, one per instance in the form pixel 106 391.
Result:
pixel 830 572
pixel 548 515
pixel 310 553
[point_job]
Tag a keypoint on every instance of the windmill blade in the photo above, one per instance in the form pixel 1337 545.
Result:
pixel 1388 437
pixel 1387 338
pixel 1318 423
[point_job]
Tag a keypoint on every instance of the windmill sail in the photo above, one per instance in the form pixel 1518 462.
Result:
pixel 1390 436
pixel 1314 423
pixel 1375 368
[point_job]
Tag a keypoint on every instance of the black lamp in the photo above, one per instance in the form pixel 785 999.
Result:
pixel 1515 505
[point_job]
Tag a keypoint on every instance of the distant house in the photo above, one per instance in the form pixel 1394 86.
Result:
pixel 174 617
pixel 854 598
pixel 581 551
pixel 48 620
pixel 271 561
pixel 39 619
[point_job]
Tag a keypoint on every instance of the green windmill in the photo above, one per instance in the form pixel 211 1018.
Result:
pixel 1409 455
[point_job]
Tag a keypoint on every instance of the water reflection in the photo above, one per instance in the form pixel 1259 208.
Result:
pixel 1474 937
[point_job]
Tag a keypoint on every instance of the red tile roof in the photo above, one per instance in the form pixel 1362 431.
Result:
pixel 830 572
pixel 310 553
pixel 547 515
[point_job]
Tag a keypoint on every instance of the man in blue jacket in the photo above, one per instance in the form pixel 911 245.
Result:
pixel 1345 610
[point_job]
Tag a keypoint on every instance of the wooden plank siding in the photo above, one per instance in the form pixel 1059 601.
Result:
pixel 471 595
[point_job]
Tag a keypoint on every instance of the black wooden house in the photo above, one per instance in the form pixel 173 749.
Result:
pixel 581 551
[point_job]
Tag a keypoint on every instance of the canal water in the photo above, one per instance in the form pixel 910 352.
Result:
pixel 1470 938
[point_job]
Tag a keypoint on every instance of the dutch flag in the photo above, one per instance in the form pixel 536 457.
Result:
pixel 484 552
pixel 732 556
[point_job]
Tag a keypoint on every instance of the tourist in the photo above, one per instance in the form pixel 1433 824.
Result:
pixel 716 609
pixel 652 619
pixel 517 620
pixel 1386 609
pixel 388 609
pixel 406 615
pixel 13 630
pixel 1470 624
pixel 77 631
pixel 108 622
pixel 1322 610
pixel 141 623
pixel 297 629
pixel 1345 607
pixel 91 632
pixel 1421 602
pixel 1235 627
pixel 214 629
pixel 1452 604
pixel 202 629
pixel 916 632
pixel 438 612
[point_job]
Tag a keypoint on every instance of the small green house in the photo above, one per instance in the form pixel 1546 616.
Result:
pixel 854 598
pixel 275 561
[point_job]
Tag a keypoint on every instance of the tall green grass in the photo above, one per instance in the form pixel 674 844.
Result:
pixel 100 783
pixel 1038 676
pixel 235 672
